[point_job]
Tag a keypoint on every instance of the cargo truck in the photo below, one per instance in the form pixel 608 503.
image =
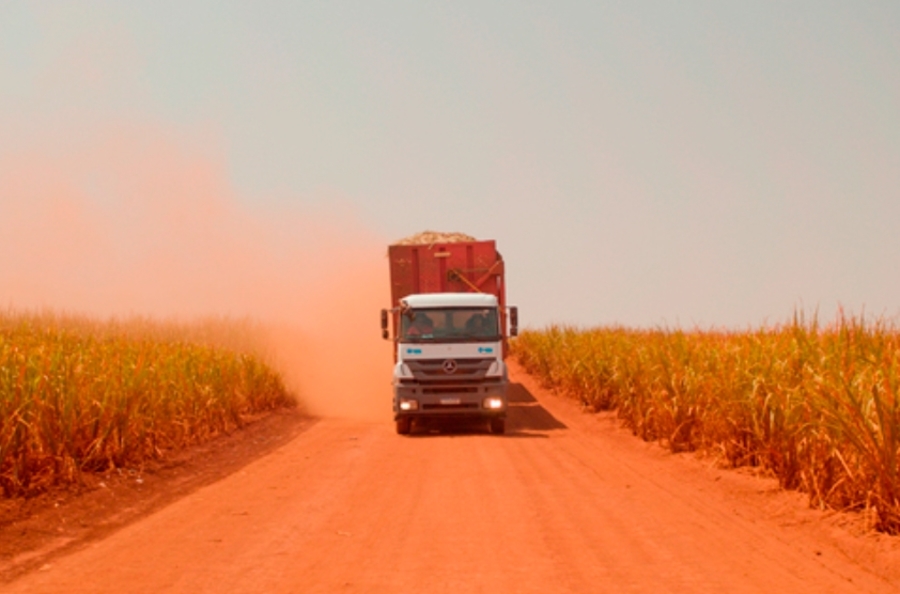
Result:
pixel 450 325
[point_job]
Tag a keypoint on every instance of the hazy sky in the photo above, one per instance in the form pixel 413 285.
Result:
pixel 641 163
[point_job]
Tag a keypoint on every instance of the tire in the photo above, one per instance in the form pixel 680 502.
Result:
pixel 498 426
pixel 403 425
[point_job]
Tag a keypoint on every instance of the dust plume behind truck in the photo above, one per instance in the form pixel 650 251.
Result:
pixel 450 324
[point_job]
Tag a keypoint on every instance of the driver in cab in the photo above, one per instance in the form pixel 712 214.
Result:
pixel 422 327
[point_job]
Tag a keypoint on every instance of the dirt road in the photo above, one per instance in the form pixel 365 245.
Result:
pixel 566 502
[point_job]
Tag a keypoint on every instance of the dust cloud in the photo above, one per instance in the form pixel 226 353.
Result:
pixel 132 220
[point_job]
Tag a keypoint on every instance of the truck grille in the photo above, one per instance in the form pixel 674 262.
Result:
pixel 437 370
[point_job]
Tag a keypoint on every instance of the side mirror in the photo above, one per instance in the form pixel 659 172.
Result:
pixel 513 321
pixel 384 324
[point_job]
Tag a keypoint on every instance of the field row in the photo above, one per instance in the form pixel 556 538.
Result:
pixel 82 395
pixel 816 406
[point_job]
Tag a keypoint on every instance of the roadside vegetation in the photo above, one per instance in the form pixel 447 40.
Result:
pixel 817 406
pixel 81 395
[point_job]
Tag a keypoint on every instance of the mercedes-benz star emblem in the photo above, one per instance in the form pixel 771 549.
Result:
pixel 449 366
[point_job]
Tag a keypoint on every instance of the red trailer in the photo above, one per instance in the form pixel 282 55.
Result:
pixel 452 267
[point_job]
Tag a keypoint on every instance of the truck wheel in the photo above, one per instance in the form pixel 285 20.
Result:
pixel 403 425
pixel 498 426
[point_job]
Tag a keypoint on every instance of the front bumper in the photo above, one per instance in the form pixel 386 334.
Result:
pixel 424 400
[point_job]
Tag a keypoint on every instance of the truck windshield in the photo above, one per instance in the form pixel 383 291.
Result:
pixel 450 325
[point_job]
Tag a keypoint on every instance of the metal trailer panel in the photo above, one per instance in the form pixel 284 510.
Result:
pixel 461 267
pixel 455 267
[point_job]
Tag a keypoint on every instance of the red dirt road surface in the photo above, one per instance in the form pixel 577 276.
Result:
pixel 565 502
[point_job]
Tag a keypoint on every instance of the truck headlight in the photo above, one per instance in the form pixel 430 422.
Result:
pixel 407 404
pixel 493 403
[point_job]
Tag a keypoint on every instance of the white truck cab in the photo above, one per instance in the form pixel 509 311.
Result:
pixel 449 359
